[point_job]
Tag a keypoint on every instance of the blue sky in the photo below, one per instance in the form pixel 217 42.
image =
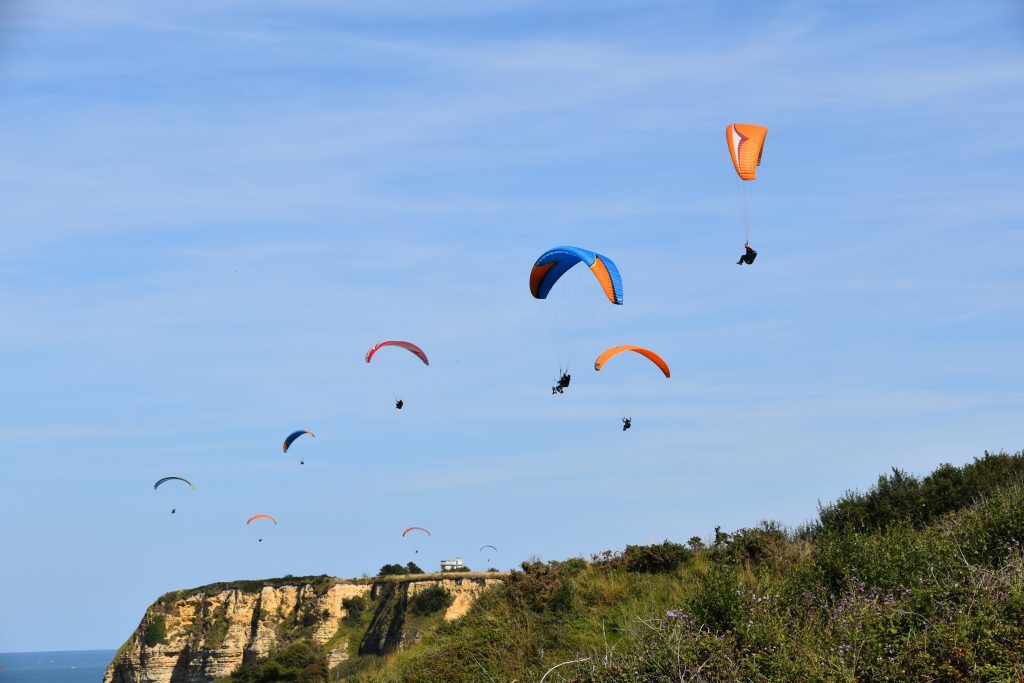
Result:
pixel 211 210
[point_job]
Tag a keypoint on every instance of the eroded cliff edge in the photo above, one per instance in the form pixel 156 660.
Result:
pixel 201 634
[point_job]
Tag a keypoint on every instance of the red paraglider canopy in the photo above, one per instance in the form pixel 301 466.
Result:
pixel 261 517
pixel 408 346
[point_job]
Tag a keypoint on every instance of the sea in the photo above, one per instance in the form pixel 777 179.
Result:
pixel 72 666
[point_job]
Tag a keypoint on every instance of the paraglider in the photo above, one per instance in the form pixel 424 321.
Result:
pixel 166 479
pixel 416 528
pixel 575 305
pixel 608 354
pixel 746 145
pixel 408 346
pixel 255 517
pixel 488 546
pixel 294 435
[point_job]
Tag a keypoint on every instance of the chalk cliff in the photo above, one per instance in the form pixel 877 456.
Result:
pixel 200 634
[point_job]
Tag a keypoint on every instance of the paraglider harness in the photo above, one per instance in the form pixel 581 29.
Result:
pixel 748 257
pixel 563 383
pixel 399 403
pixel 627 422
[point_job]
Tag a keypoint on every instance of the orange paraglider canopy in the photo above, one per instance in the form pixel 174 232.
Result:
pixel 647 353
pixel 746 143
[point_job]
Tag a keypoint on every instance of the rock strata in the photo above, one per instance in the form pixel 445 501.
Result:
pixel 198 635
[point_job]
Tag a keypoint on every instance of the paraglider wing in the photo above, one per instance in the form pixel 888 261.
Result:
pixel 647 353
pixel 249 521
pixel 408 346
pixel 488 546
pixel 746 143
pixel 554 263
pixel 294 435
pixel 415 528
pixel 161 481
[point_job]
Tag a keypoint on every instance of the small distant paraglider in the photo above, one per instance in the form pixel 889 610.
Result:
pixel 415 528
pixel 291 439
pixel 255 517
pixel 166 479
pixel 408 346
pixel 608 354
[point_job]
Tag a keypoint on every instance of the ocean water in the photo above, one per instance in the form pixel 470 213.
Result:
pixel 76 666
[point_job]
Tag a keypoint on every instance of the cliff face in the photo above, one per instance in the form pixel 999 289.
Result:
pixel 201 634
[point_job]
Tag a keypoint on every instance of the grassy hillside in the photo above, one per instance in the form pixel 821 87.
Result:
pixel 915 579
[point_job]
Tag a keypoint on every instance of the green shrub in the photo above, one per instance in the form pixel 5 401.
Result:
pixel 300 662
pixel 354 608
pixel 902 498
pixel 655 559
pixel 765 544
pixel 430 600
pixel 156 631
pixel 716 602
pixel 412 568
pixel 392 570
pixel 534 587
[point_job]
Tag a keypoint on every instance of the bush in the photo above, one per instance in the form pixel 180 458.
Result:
pixel 413 568
pixel 354 608
pixel 900 497
pixel 655 559
pixel 156 632
pixel 392 570
pixel 300 662
pixel 716 603
pixel 766 544
pixel 534 587
pixel 430 600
